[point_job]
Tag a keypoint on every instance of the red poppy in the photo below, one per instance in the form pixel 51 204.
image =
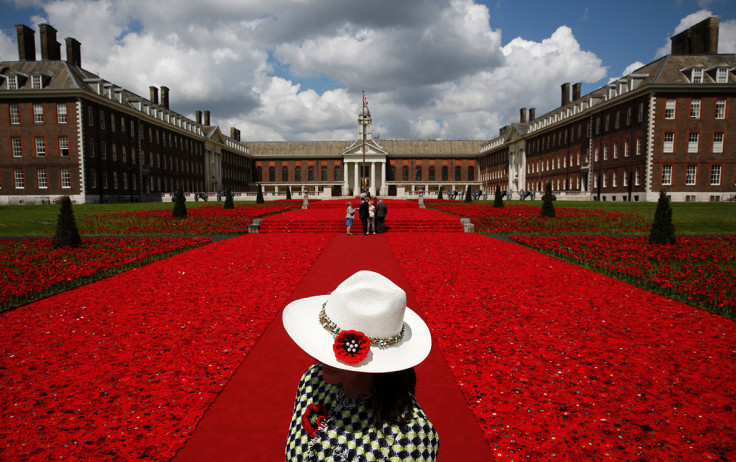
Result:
pixel 313 418
pixel 351 346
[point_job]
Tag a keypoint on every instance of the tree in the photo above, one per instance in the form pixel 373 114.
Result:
pixel 288 192
pixel 548 208
pixel 468 195
pixel 498 200
pixel 67 234
pixel 259 196
pixel 228 199
pixel 180 206
pixel 663 231
pixel 439 195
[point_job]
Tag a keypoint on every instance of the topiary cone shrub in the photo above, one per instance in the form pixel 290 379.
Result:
pixel 180 206
pixel 228 200
pixel 259 196
pixel 663 231
pixel 468 195
pixel 439 195
pixel 288 192
pixel 498 200
pixel 548 208
pixel 67 234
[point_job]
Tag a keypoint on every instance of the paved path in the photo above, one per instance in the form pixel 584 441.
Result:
pixel 250 418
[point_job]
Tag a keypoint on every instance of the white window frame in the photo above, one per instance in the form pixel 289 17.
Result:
pixel 718 138
pixel 666 175
pixel 36 82
pixel 12 82
pixel 693 142
pixel 40 144
pixel 668 146
pixel 19 179
pixel 16 143
pixel 670 111
pixel 14 114
pixel 715 175
pixel 696 75
pixel 64 146
pixel 42 178
pixel 38 113
pixel 720 108
pixel 61 115
pixel 66 178
pixel 721 75
pixel 691 177
pixel 102 119
pixel 695 109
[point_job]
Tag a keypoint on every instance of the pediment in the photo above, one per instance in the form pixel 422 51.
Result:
pixel 372 149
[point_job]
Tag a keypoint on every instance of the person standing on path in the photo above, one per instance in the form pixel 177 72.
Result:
pixel 357 402
pixel 363 214
pixel 349 217
pixel 381 211
pixel 371 217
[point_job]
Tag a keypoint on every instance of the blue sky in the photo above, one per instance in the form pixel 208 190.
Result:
pixel 295 69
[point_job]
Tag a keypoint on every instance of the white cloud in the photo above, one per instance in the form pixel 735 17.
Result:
pixel 8 46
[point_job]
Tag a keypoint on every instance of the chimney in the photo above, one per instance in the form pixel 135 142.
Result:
pixel 234 133
pixel 50 48
pixel 700 39
pixel 73 52
pixel 522 115
pixel 165 97
pixel 576 91
pixel 532 114
pixel 565 94
pixel 26 43
pixel 154 94
pixel 198 116
pixel 207 118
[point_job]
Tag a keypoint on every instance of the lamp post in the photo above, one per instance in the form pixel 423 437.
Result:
pixel 363 179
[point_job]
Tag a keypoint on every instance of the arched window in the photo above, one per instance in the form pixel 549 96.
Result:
pixel 418 174
pixel 458 174
pixel 431 173
pixel 471 173
pixel 310 174
pixel 272 174
pixel 405 173
pixel 284 174
pixel 323 173
pixel 337 173
pixel 259 174
pixel 392 173
pixel 445 173
pixel 298 174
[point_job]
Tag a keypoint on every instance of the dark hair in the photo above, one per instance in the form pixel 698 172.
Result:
pixel 393 397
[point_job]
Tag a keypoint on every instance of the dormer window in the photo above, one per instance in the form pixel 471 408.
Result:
pixel 721 75
pixel 12 82
pixel 36 82
pixel 696 75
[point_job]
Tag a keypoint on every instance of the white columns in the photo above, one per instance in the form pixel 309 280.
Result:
pixel 356 190
pixel 384 186
pixel 373 179
pixel 345 180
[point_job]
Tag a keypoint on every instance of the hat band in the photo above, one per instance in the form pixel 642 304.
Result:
pixel 332 328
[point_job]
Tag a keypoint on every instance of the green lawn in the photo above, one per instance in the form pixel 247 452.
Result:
pixel 691 218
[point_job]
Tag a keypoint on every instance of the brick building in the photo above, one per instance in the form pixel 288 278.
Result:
pixel 664 127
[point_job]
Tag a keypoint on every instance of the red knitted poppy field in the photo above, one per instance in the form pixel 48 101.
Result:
pixel 558 362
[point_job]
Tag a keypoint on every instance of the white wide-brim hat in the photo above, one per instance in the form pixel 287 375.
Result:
pixel 370 306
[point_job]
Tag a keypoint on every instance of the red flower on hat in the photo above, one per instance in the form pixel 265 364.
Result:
pixel 351 346
pixel 313 418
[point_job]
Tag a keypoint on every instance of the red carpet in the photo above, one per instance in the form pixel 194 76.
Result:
pixel 250 418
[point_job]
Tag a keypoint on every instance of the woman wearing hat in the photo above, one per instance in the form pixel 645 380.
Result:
pixel 357 402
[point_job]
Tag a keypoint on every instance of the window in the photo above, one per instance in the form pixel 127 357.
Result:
pixel 692 171
pixel 12 82
pixel 17 146
pixel 64 146
pixel 696 75
pixel 692 141
pixel 40 146
pixel 298 174
pixel 93 179
pixel 666 174
pixel 91 116
pixel 431 173
pixel 103 150
pixel 310 173
pixel 715 175
pixel 61 113
pixel 637 176
pixel 718 142
pixel 124 153
pixel 605 152
pixel 613 179
pixel 132 128
pixel 606 123
pixel 19 181
pixel 38 113
pixel 122 129
pixel 66 178
pixel 615 149
pixel 125 177
pixel 471 173
pixel 640 115
pixel 41 178
pixel 114 180
pixel 36 82
pixel 392 173
pixel 114 152
pixel 639 144
pixel 337 173
pixel 695 109
pixel 445 173
pixel 628 116
pixel 670 108
pixel 669 142
pixel 14 114
pixel 405 173
pixel 418 174
pixel 284 174
pixel 272 174
pixel 616 120
pixel 92 149
pixel 132 155
pixel 102 119
pixel 323 173
pixel 627 147
pixel 721 75
pixel 458 173
pixel 112 122
pixel 721 108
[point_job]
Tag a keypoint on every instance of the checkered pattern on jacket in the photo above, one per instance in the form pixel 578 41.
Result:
pixel 349 433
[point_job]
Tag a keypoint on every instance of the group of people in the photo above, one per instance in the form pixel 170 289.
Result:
pixel 372 216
